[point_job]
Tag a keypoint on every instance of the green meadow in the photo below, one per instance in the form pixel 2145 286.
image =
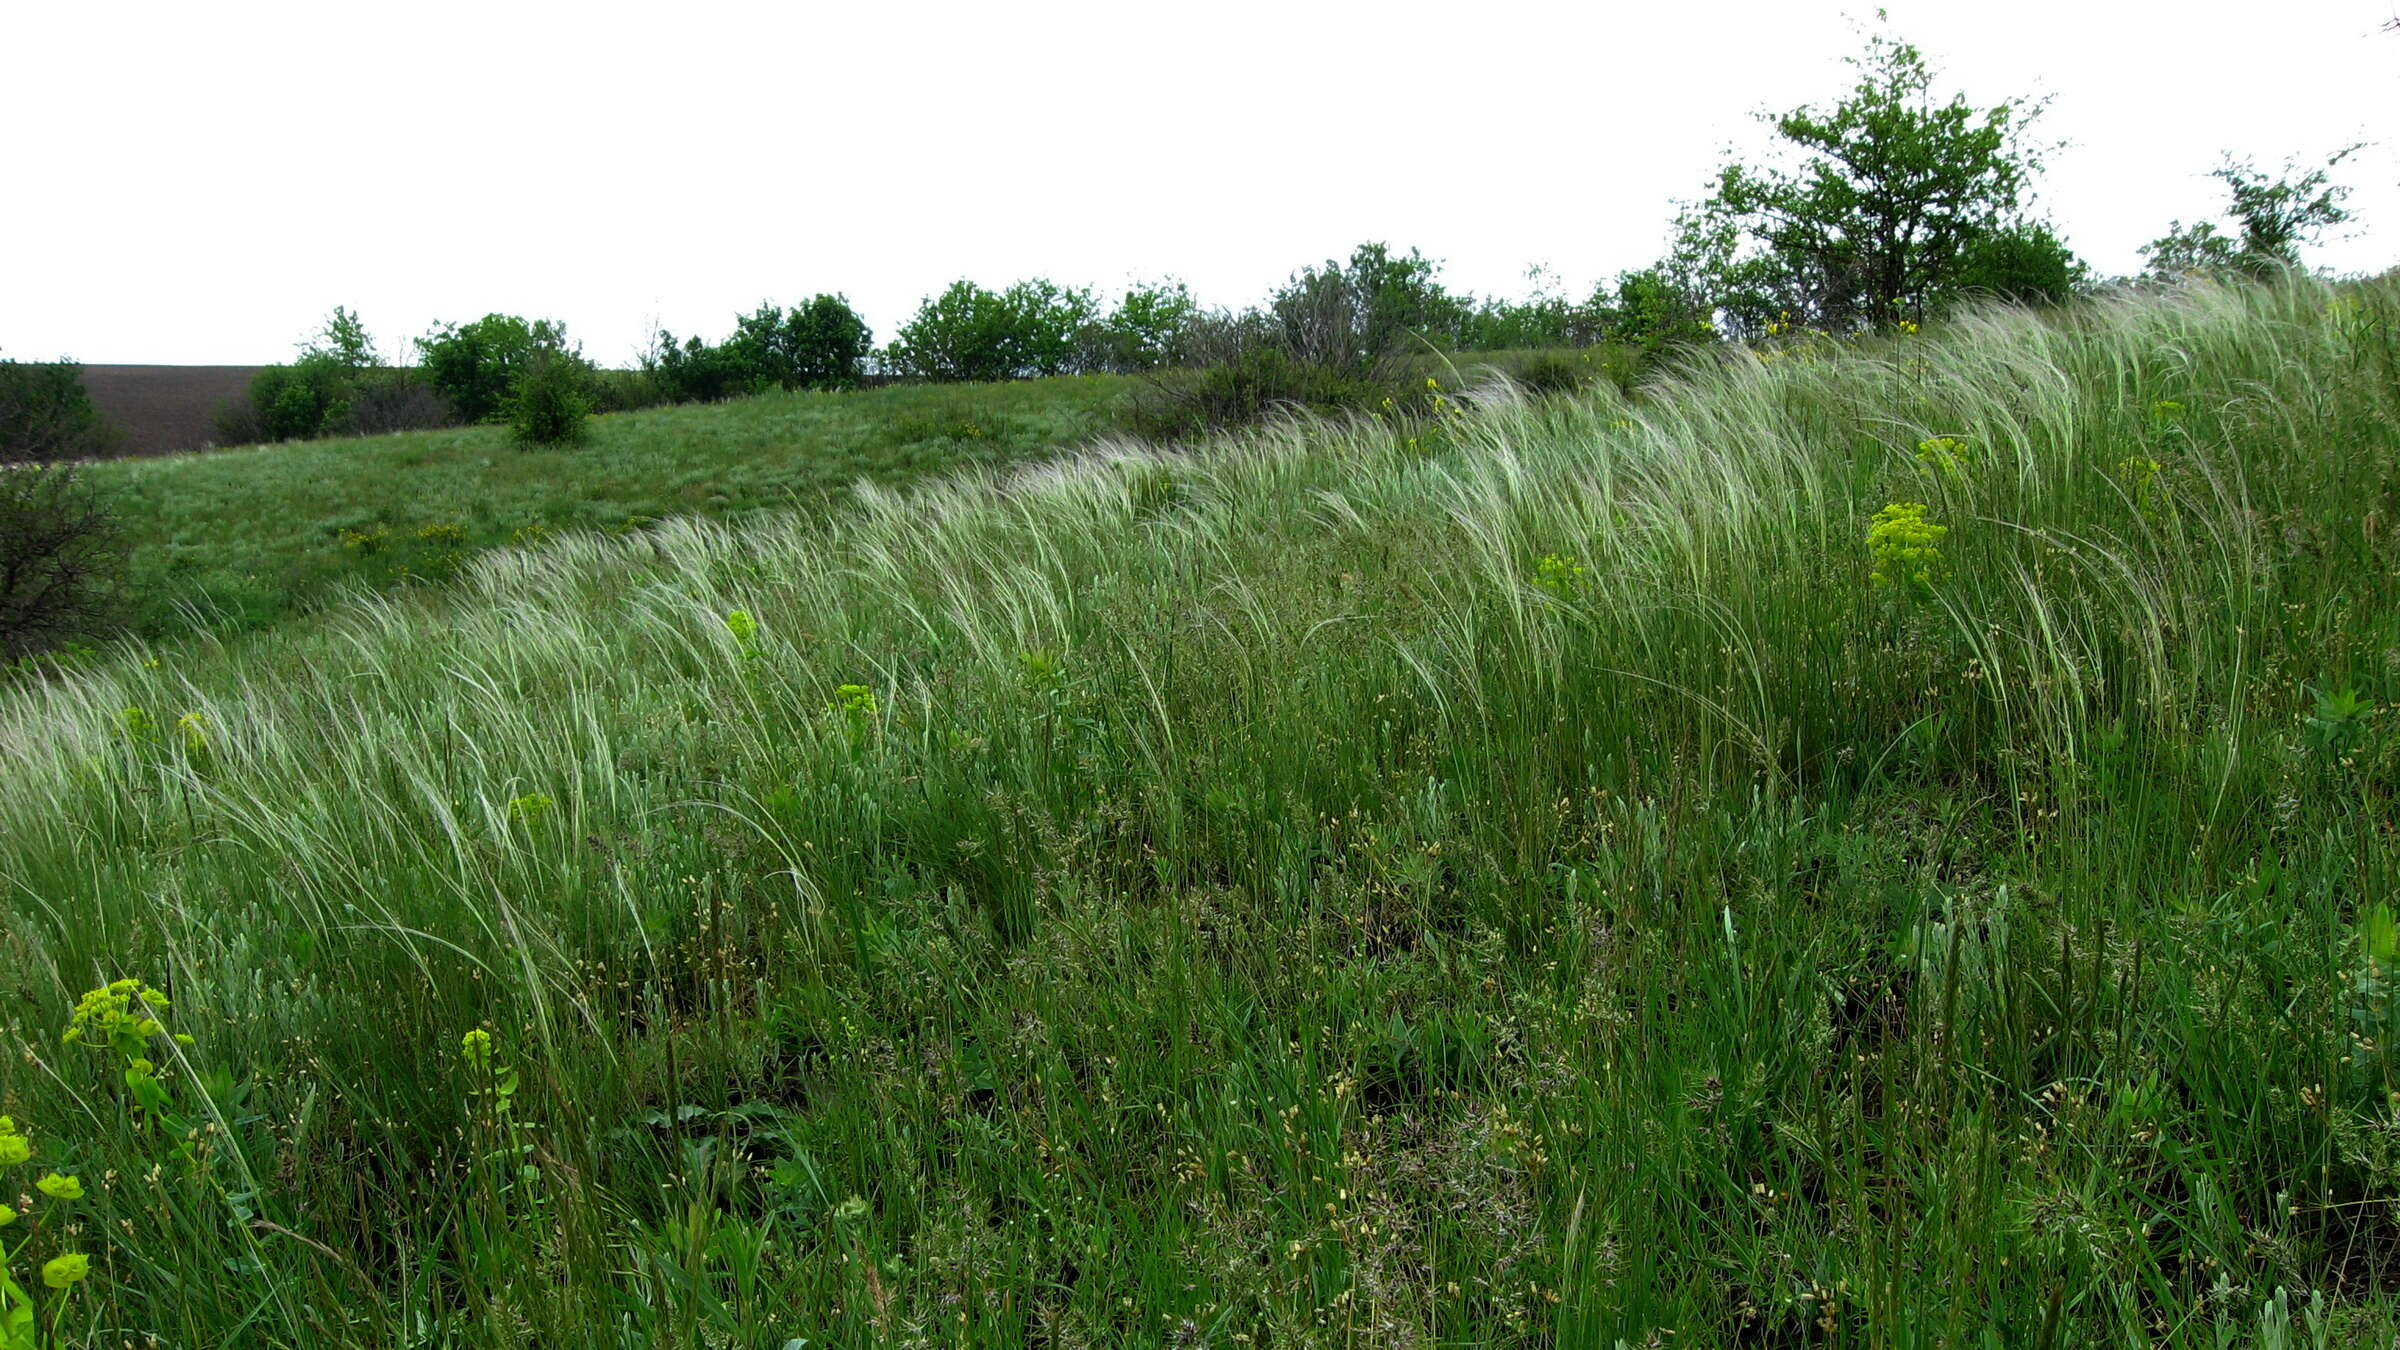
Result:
pixel 1882 843
pixel 240 539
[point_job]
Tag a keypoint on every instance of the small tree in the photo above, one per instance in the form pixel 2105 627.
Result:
pixel 551 400
pixel 2272 216
pixel 1351 315
pixel 969 333
pixel 1881 217
pixel 58 539
pixel 476 365
pixel 820 345
pixel 1149 329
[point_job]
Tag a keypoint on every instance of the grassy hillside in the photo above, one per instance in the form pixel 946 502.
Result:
pixel 1882 847
pixel 244 537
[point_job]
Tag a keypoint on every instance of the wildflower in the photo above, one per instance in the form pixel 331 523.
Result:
pixel 14 1146
pixel 1904 543
pixel 1908 328
pixel 529 807
pixel 136 722
pixel 743 627
pixel 59 1187
pixel 1946 453
pixel 194 729
pixel 8 1215
pixel 1560 575
pixel 2166 413
pixel 108 1018
pixel 476 1048
pixel 855 699
pixel 62 1271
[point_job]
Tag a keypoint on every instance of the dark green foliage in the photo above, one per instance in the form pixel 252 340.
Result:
pixel 2022 264
pixel 2272 218
pixel 820 345
pixel 334 388
pixel 1884 213
pixel 1245 390
pixel 302 401
pixel 45 414
pixel 551 400
pixel 693 371
pixel 1148 330
pixel 969 333
pixel 58 539
pixel 476 365
pixel 1662 306
pixel 1353 314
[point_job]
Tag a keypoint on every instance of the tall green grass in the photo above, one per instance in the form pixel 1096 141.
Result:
pixel 1520 880
pixel 243 539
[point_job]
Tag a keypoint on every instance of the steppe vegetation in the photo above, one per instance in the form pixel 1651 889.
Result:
pixel 1818 812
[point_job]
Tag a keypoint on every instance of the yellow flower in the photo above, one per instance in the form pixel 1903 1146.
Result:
pixel 62 1271
pixel 59 1187
pixel 14 1146
pixel 1903 541
pixel 476 1048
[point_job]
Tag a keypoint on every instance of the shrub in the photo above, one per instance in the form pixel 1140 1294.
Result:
pixel 550 401
pixel 1151 328
pixel 385 400
pixel 692 371
pixel 45 414
pixel 1245 390
pixel 968 333
pixel 58 539
pixel 820 345
pixel 1354 314
pixel 475 366
pixel 334 388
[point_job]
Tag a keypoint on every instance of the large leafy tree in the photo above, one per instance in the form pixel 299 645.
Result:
pixel 1885 207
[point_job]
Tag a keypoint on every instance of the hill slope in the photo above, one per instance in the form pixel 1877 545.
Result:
pixel 245 537
pixel 1882 846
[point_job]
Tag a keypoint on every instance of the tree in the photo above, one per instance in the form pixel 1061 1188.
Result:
pixel 1149 329
pixel 1353 314
pixel 475 366
pixel 1881 218
pixel 2273 218
pixel 820 345
pixel 58 539
pixel 970 333
pixel 550 399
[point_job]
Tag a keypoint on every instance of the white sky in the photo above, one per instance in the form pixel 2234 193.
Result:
pixel 202 183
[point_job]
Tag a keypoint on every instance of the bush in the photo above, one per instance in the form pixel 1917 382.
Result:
pixel 1247 389
pixel 1033 328
pixel 58 541
pixel 385 400
pixel 1357 313
pixel 334 388
pixel 475 366
pixel 551 401
pixel 45 414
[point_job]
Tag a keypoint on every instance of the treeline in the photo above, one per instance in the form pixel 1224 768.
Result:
pixel 1885 210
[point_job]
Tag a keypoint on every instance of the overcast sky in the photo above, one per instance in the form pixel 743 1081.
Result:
pixel 202 183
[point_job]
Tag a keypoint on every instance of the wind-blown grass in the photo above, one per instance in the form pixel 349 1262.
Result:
pixel 242 539
pixel 1519 881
